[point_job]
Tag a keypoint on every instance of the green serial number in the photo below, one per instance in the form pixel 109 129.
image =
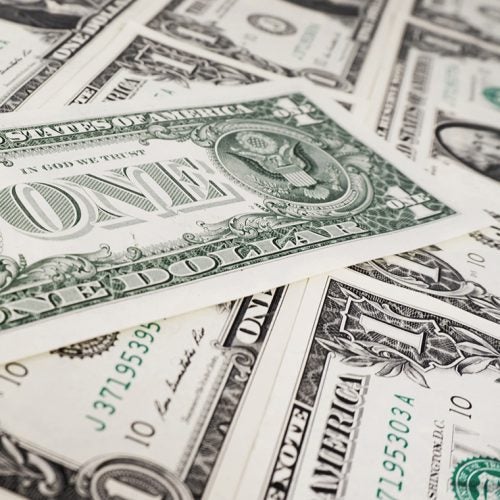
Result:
pixel 115 387
pixel 394 450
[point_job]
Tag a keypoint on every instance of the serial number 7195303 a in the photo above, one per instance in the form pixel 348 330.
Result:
pixel 392 479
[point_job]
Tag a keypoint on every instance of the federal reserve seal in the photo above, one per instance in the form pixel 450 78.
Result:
pixel 477 478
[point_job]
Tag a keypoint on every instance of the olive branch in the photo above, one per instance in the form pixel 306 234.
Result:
pixel 363 353
pixel 478 356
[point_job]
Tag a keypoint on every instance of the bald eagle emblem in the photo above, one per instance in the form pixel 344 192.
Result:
pixel 282 158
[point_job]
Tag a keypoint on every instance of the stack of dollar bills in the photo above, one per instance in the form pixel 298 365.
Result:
pixel 250 249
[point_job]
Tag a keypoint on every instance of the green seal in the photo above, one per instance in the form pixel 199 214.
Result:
pixel 493 95
pixel 477 478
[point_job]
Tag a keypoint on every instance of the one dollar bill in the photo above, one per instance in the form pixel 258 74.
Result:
pixel 440 108
pixel 383 394
pixel 147 413
pixel 332 44
pixel 141 64
pixel 45 37
pixel 200 204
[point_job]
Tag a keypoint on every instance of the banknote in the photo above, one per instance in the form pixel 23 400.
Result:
pixel 440 108
pixel 478 18
pixel 461 272
pixel 147 413
pixel 200 203
pixel 330 43
pixel 434 69
pixel 49 34
pixel 140 64
pixel 383 394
